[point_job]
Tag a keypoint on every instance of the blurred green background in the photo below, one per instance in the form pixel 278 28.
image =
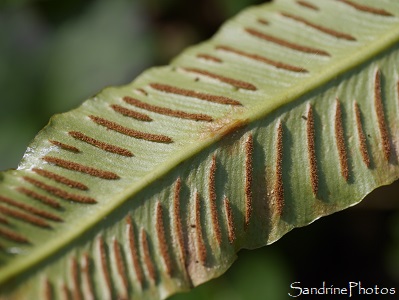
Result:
pixel 55 54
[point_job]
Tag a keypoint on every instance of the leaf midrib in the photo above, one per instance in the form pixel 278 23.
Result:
pixel 257 112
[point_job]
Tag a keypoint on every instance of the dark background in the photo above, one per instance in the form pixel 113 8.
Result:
pixel 55 54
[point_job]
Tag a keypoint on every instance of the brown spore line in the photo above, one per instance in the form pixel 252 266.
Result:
pixel 59 192
pixel 256 57
pixel 131 113
pixel 239 84
pixel 194 94
pixel 161 234
pixel 178 222
pixel 13 236
pixel 285 43
pixel 340 141
pixel 44 199
pixel 369 9
pixel 75 272
pixel 307 4
pixel 142 91
pixel 104 265
pixel 263 21
pixel 167 111
pixel 278 183
pixel 326 30
pixel 228 130
pixel 64 291
pixel 48 293
pixel 24 217
pixel 65 146
pixel 131 132
pixel 310 136
pixel 61 179
pixel 230 220
pixel 99 144
pixel 249 149
pixel 134 252
pixel 120 265
pixel 209 57
pixel 200 245
pixel 379 110
pixel 31 209
pixel 212 200
pixel 73 166
pixel 147 256
pixel 87 276
pixel 361 136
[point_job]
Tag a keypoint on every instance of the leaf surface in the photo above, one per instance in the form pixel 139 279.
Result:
pixel 288 114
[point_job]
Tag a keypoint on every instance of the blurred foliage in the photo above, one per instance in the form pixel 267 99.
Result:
pixel 55 54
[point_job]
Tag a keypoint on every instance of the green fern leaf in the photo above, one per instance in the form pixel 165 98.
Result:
pixel 288 114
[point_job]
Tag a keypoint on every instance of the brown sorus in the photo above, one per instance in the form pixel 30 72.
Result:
pixel 285 43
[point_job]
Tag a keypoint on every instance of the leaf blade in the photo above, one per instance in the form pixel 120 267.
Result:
pixel 207 147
